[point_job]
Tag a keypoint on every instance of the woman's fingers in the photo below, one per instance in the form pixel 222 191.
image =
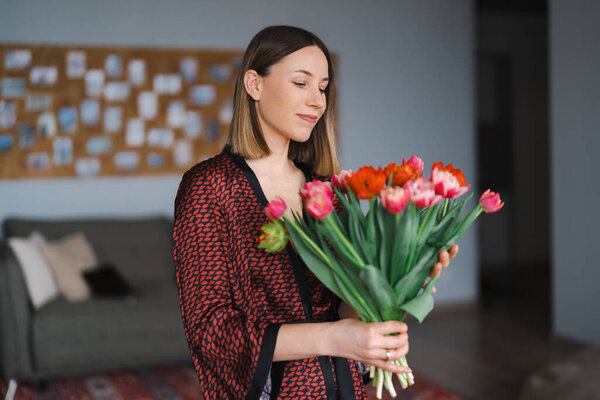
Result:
pixel 453 251
pixel 387 327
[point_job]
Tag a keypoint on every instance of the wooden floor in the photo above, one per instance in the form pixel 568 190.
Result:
pixel 483 353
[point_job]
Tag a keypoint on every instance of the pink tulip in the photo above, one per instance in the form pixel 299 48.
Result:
pixel 416 163
pixel 275 208
pixel 490 201
pixel 394 198
pixel 339 180
pixel 318 198
pixel 316 188
pixel 422 193
pixel 446 184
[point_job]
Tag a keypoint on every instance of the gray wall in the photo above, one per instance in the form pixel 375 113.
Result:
pixel 405 82
pixel 575 108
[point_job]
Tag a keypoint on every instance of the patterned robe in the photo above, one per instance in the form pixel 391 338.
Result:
pixel 234 296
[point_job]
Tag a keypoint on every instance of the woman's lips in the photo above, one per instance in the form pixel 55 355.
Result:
pixel 308 118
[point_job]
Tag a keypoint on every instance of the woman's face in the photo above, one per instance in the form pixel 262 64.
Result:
pixel 291 99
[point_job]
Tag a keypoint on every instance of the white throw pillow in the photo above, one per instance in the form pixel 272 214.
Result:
pixel 36 271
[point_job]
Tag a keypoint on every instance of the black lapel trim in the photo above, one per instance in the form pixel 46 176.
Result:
pixel 344 378
pixel 277 370
pixel 265 358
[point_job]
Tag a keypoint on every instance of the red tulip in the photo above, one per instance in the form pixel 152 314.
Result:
pixel 400 173
pixel 490 201
pixel 394 198
pixel 422 193
pixel 367 182
pixel 275 208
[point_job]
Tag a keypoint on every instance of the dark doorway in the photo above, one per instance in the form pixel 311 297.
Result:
pixel 513 145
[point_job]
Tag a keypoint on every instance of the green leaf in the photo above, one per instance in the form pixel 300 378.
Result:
pixel 381 290
pixel 410 284
pixel 403 239
pixel 422 304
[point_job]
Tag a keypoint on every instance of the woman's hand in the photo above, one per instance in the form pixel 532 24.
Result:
pixel 443 262
pixel 369 342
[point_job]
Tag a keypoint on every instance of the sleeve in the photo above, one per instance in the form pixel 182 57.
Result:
pixel 232 354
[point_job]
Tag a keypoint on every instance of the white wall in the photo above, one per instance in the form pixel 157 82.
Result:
pixel 575 107
pixel 405 83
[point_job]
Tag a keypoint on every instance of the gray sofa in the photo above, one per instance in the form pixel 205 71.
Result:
pixel 63 338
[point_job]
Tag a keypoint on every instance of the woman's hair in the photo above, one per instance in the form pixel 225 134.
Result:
pixel 245 135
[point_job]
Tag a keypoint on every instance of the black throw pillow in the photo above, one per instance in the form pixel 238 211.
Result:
pixel 106 281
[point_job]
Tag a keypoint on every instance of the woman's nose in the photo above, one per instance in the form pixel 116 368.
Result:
pixel 316 98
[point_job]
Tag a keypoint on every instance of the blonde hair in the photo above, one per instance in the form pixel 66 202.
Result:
pixel 245 136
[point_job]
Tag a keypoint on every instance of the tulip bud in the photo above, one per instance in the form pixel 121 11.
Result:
pixel 490 201
pixel 274 237
pixel 394 199
pixel 275 208
pixel 339 180
pixel 416 163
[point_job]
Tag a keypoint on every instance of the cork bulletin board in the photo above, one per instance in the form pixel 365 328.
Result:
pixel 77 111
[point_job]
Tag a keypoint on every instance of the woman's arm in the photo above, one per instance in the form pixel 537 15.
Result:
pixel 349 338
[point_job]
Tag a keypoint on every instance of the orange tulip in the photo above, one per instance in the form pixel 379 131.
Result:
pixel 401 173
pixel 367 182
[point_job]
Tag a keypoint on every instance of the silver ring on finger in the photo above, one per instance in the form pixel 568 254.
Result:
pixel 388 355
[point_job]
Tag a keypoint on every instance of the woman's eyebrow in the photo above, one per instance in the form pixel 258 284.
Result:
pixel 309 74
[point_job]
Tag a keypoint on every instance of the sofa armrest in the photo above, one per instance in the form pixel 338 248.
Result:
pixel 15 316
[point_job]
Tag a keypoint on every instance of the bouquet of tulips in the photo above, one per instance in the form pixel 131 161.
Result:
pixel 377 262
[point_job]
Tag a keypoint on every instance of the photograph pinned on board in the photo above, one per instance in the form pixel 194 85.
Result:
pixel 94 82
pixel 113 117
pixel 212 130
pixel 167 83
pixel 193 125
pixel 46 124
pixel 38 102
pixel 147 105
pixel 99 144
pixel 237 62
pixel 219 72
pixel 113 66
pixel 188 68
pixel 38 162
pixel 160 137
pixel 63 150
pixel 136 70
pixel 127 161
pixel 182 153
pixel 135 134
pixel 202 95
pixel 12 87
pixel 8 114
pixel 226 112
pixel 75 64
pixel 176 114
pixel 26 136
pixel 67 119
pixel 116 91
pixel 17 59
pixel 43 76
pixel 155 160
pixel 6 142
pixel 90 112
pixel 87 167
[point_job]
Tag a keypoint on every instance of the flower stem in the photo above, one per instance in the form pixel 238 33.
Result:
pixel 347 244
pixel 445 207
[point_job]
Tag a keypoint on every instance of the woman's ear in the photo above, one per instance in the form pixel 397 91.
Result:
pixel 253 84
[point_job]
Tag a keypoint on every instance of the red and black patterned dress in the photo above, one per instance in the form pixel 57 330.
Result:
pixel 234 296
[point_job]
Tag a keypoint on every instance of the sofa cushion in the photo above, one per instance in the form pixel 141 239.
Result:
pixel 110 331
pixel 140 248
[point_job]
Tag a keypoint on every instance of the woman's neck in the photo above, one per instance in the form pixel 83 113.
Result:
pixel 275 164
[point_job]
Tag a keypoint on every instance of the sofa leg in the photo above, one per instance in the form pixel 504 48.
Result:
pixel 12 389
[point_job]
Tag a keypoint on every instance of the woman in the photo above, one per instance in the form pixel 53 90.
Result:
pixel 261 325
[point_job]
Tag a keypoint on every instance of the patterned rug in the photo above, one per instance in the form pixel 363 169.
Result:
pixel 166 383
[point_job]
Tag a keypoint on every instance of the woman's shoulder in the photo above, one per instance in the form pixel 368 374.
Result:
pixel 214 173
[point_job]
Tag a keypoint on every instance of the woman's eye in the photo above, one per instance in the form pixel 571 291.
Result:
pixel 299 84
